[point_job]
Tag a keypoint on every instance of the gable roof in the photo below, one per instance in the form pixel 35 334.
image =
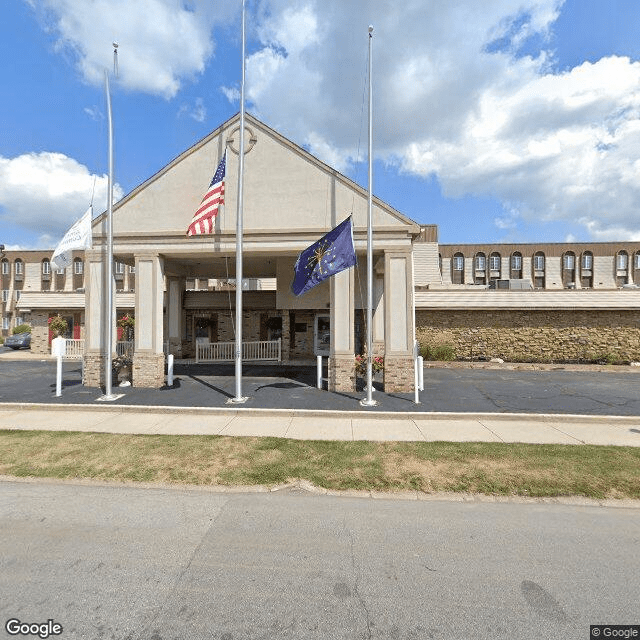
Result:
pixel 286 188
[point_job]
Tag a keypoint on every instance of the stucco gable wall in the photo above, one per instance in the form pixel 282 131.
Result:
pixel 284 189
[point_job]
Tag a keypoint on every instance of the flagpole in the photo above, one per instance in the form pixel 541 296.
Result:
pixel 108 321
pixel 108 367
pixel 238 397
pixel 369 401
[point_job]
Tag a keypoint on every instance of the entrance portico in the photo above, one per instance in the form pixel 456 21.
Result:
pixel 290 200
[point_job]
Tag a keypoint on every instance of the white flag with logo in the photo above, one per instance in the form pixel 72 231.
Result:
pixel 78 237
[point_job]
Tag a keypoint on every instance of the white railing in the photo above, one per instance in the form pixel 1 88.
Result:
pixel 225 351
pixel 124 348
pixel 74 349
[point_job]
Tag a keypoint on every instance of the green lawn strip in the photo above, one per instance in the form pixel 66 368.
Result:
pixel 488 468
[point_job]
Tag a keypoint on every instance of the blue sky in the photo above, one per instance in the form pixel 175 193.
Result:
pixel 500 121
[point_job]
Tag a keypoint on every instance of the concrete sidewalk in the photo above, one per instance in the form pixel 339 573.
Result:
pixel 325 425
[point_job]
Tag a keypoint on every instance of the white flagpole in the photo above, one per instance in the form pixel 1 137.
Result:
pixel 108 320
pixel 369 401
pixel 239 398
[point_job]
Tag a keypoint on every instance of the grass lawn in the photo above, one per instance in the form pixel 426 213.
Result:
pixel 489 468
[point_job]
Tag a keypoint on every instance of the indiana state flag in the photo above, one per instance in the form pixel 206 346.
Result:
pixel 333 253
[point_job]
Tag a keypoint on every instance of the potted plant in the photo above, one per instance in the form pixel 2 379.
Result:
pixel 377 364
pixel 58 325
pixel 127 323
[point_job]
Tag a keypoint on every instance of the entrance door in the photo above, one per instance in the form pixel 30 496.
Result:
pixel 205 329
pixel 322 335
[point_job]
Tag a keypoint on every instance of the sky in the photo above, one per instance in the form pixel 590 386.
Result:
pixel 499 121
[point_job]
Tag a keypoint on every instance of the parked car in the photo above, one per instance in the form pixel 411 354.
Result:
pixel 18 341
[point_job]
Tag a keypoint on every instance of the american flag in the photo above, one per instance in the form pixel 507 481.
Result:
pixel 207 211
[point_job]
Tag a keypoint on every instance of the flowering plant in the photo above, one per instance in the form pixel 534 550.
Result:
pixel 127 322
pixel 377 364
pixel 58 325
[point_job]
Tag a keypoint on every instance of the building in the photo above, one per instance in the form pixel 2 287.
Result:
pixel 545 301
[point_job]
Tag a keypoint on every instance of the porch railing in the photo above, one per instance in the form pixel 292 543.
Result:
pixel 74 348
pixel 251 351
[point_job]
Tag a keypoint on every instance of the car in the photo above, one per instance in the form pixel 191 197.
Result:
pixel 18 341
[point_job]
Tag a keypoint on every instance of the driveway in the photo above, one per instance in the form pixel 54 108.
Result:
pixel 608 391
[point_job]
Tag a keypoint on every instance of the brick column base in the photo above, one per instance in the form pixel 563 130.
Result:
pixel 398 374
pixel 93 370
pixel 148 370
pixel 342 373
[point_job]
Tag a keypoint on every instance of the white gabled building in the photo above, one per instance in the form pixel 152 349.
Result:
pixel 544 301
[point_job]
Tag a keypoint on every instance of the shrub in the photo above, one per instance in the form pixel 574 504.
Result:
pixel 607 358
pixel 22 328
pixel 444 352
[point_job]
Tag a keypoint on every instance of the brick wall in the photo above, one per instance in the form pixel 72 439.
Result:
pixel 399 376
pixel 342 374
pixel 533 336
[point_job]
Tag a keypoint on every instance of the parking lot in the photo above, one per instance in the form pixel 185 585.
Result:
pixel 607 391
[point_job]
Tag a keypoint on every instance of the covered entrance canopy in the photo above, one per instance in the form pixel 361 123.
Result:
pixel 290 200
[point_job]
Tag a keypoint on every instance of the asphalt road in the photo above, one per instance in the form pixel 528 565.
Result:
pixel 287 387
pixel 153 564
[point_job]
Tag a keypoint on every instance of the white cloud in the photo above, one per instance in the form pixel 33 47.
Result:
pixel 47 192
pixel 161 42
pixel 197 111
pixel 94 113
pixel 455 98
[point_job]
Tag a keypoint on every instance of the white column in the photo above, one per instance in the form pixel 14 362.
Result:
pixel 149 304
pixel 342 355
pixel 174 315
pixel 148 361
pixel 398 329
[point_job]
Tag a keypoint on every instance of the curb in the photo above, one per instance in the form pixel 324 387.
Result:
pixel 304 486
pixel 324 413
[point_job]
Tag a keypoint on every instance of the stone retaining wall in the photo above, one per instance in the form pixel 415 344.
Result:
pixel 533 336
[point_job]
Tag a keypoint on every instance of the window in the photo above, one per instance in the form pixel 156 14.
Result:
pixel 494 262
pixel 538 261
pixel 622 261
pixel 46 267
pixel 516 262
pixel 119 268
pixel 481 262
pixel 457 269
pixel 5 267
pixel 587 261
pixel 132 269
pixel 5 295
pixel 78 266
pixel 636 261
pixel 18 267
pixel 5 322
pixel 568 261
pixel 18 294
pixel 18 321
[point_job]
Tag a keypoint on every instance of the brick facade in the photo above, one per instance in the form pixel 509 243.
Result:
pixel 148 370
pixel 93 370
pixel 398 374
pixel 342 373
pixel 533 336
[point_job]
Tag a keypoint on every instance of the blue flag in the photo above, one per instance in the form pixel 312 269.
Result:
pixel 334 252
